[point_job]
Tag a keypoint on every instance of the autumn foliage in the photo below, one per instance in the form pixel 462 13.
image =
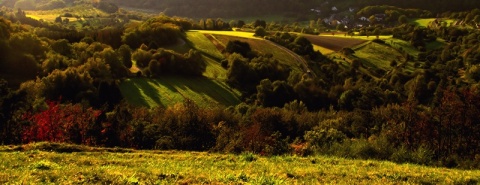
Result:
pixel 62 123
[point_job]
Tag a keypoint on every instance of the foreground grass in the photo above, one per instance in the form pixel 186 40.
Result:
pixel 47 163
pixel 170 90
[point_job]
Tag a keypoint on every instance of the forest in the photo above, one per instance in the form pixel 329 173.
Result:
pixel 61 82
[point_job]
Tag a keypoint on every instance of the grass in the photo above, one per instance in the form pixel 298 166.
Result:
pixel 198 41
pixel 231 33
pixel 378 56
pixel 263 46
pixel 422 22
pixel 209 90
pixel 436 44
pixel 80 10
pixel 322 50
pixel 33 164
pixel 404 45
pixel 426 22
pixel 170 90
pixel 371 37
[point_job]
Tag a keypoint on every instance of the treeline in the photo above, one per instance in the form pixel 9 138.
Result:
pixel 445 135
pixel 237 8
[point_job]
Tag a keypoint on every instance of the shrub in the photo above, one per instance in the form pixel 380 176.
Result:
pixel 321 138
pixel 63 123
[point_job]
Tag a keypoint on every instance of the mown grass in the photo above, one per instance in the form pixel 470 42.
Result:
pixel 33 164
pixel 170 90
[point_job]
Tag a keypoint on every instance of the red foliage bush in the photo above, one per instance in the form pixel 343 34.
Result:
pixel 61 123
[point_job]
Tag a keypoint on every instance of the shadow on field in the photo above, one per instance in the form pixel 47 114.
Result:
pixel 202 87
pixel 204 91
pixel 138 91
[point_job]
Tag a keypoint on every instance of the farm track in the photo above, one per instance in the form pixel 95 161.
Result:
pixel 333 43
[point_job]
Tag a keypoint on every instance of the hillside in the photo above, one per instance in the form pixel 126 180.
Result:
pixel 170 90
pixel 45 163
pixel 385 86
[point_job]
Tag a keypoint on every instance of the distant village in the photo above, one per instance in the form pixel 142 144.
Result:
pixel 346 17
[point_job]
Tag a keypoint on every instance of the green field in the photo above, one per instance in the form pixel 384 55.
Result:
pixel 404 45
pixel 80 10
pixel 198 41
pixel 170 90
pixel 426 22
pixel 231 33
pixel 263 46
pixel 342 35
pixel 322 50
pixel 209 90
pixel 50 163
pixel 378 56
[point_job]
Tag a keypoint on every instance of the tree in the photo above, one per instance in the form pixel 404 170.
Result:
pixel 403 19
pixel 372 19
pixel 62 47
pixel 209 24
pixel 155 68
pixel 239 47
pixel 125 54
pixel 260 32
pixel 142 57
pixel 240 23
pixel 261 23
pixel 356 63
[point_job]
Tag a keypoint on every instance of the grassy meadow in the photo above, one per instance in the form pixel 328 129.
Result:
pixel 231 33
pixel 200 42
pixel 50 163
pixel 378 56
pixel 283 55
pixel 170 90
pixel 426 22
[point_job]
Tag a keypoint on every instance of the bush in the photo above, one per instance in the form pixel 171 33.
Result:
pixel 321 138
